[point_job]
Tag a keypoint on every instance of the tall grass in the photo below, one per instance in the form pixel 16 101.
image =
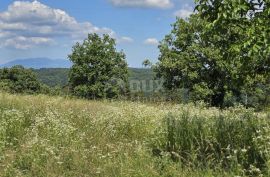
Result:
pixel 235 140
pixel 56 136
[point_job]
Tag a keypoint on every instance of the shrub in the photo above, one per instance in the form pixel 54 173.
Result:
pixel 19 80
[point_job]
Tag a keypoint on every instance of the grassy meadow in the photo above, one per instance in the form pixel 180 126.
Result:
pixel 57 136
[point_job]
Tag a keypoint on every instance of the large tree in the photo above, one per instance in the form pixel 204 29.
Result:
pixel 98 70
pixel 213 59
pixel 252 51
pixel 189 60
pixel 252 18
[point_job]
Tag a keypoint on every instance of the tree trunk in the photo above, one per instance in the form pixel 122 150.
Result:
pixel 218 99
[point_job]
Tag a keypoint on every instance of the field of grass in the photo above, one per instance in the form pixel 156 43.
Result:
pixel 56 136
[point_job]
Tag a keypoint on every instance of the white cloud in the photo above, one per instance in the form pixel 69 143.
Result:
pixel 185 12
pixel 125 39
pixel 27 24
pixel 151 41
pixel 21 42
pixel 162 4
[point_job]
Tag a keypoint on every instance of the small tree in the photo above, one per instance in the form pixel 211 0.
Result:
pixel 19 80
pixel 146 63
pixel 98 70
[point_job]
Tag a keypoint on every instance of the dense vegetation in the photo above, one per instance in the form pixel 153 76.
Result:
pixel 141 74
pixel 19 80
pixel 55 136
pixel 218 54
pixel 53 76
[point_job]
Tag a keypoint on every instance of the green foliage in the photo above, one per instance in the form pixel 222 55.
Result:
pixel 19 80
pixel 98 70
pixel 213 59
pixel 141 74
pixel 146 63
pixel 235 140
pixel 53 76
pixel 250 15
pixel 189 60
pixel 244 30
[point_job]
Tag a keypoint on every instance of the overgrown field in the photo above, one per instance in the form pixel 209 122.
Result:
pixel 55 136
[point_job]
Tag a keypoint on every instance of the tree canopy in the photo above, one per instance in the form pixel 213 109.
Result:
pixel 220 53
pixel 19 80
pixel 98 70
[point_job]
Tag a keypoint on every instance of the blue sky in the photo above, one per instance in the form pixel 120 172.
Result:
pixel 49 28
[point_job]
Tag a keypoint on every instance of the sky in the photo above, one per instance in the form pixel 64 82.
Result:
pixel 49 28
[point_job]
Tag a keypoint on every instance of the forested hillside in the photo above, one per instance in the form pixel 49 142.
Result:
pixel 59 76
pixel 53 76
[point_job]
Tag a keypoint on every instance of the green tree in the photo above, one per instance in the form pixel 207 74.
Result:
pixel 147 63
pixel 209 63
pixel 251 52
pixel 189 60
pixel 98 70
pixel 19 80
pixel 253 15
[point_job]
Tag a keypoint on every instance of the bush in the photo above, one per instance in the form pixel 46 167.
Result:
pixel 19 80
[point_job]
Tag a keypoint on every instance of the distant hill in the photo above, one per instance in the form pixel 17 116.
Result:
pixel 38 63
pixel 54 72
pixel 59 76
pixel 141 74
pixel 53 76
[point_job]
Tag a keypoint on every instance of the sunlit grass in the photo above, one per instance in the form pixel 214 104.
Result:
pixel 56 136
